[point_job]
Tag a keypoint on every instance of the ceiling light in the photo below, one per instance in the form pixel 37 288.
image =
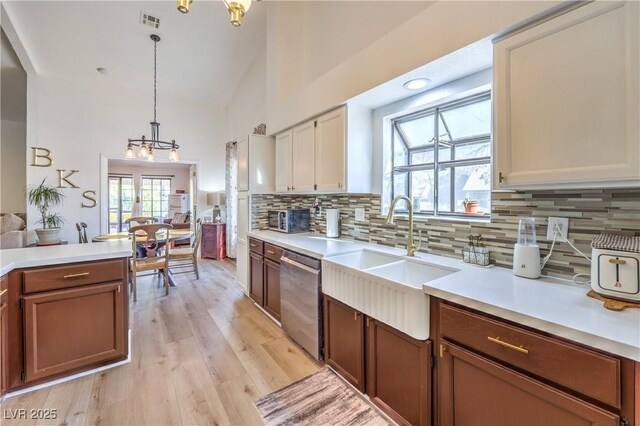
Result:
pixel 183 5
pixel 417 83
pixel 236 8
pixel 148 146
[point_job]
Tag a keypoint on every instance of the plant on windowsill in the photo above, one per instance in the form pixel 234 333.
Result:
pixel 44 197
pixel 470 206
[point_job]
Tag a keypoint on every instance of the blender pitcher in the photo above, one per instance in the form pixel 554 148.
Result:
pixel 526 253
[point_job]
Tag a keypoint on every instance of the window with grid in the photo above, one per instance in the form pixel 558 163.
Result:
pixel 155 196
pixel 442 156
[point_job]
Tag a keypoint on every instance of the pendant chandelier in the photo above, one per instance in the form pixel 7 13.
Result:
pixel 147 147
pixel 236 8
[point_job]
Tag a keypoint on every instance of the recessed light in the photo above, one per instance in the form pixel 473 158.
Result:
pixel 417 83
pixel 101 70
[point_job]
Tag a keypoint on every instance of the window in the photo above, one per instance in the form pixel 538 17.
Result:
pixel 120 202
pixel 155 196
pixel 442 156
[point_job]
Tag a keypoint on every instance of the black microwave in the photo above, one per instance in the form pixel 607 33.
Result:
pixel 290 220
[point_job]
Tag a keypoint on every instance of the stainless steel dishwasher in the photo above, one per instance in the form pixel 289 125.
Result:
pixel 301 301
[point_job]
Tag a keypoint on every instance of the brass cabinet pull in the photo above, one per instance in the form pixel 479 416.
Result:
pixel 81 274
pixel 500 177
pixel 497 340
pixel 618 261
pixel 442 349
pixel 355 315
pixel 368 321
pixel 271 252
pixel 3 291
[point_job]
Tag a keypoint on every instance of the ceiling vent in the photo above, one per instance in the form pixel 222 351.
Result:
pixel 150 20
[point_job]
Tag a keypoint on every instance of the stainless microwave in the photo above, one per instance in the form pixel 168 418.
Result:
pixel 290 221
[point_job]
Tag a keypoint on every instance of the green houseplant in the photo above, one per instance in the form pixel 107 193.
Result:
pixel 45 197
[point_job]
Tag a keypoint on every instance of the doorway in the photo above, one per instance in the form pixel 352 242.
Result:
pixel 121 201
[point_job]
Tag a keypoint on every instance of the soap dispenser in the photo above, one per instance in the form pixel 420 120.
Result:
pixel 526 253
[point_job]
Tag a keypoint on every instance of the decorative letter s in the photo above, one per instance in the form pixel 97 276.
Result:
pixel 91 196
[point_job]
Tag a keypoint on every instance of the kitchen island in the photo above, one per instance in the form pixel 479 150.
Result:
pixel 64 310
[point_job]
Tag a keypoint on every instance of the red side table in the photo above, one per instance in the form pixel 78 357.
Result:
pixel 214 241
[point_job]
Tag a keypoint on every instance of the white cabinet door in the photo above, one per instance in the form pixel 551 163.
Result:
pixel 330 150
pixel 283 161
pixel 303 142
pixel 262 159
pixel 242 272
pixel 243 165
pixel 242 252
pixel 566 101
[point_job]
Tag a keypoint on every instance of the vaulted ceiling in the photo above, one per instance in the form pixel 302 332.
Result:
pixel 200 57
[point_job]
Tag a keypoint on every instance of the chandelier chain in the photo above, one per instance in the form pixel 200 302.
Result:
pixel 155 78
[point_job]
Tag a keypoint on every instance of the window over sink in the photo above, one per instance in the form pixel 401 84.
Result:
pixel 441 158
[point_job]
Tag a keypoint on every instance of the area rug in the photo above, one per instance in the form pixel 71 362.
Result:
pixel 319 399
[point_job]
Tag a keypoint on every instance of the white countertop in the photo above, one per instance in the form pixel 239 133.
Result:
pixel 553 305
pixel 53 255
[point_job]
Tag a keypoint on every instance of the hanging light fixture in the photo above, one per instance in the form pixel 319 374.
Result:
pixel 146 147
pixel 236 8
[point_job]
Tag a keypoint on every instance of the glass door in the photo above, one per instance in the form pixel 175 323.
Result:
pixel 155 196
pixel 121 198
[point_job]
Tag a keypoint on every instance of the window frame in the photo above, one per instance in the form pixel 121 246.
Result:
pixel 435 144
pixel 142 193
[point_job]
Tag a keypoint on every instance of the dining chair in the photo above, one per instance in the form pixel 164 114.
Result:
pixel 187 258
pixel 141 220
pixel 82 232
pixel 156 247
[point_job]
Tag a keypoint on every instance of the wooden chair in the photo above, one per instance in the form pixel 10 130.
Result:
pixel 181 258
pixel 141 220
pixel 157 255
pixel 82 232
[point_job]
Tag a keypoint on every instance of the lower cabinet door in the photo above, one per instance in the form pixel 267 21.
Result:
pixel 398 374
pixel 272 288
pixel 4 356
pixel 256 278
pixel 69 329
pixel 344 341
pixel 473 390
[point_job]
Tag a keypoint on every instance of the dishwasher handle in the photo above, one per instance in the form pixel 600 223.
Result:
pixel 300 265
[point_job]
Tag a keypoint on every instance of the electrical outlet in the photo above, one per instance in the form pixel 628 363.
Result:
pixel 359 214
pixel 562 223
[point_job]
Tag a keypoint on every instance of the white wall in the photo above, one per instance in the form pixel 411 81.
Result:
pixel 13 173
pixel 247 108
pixel 439 29
pixel 180 175
pixel 80 121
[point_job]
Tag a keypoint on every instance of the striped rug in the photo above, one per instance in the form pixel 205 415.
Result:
pixel 319 399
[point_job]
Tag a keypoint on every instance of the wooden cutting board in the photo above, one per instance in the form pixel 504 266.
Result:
pixel 613 304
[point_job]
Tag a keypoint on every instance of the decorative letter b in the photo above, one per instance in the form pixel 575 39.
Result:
pixel 35 151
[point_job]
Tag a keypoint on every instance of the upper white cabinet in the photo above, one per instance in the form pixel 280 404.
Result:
pixel 302 143
pixel 565 98
pixel 284 177
pixel 256 164
pixel 331 153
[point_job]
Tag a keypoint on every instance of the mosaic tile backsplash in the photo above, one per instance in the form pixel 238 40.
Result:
pixel 589 212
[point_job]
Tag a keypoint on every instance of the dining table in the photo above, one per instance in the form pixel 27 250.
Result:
pixel 174 235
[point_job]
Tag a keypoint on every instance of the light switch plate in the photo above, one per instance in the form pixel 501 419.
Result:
pixel 359 214
pixel 563 223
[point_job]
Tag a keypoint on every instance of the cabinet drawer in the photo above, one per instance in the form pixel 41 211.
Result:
pixel 256 246
pixel 590 373
pixel 272 252
pixel 74 275
pixel 4 289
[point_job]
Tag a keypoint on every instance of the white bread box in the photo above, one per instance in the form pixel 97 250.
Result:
pixel 615 266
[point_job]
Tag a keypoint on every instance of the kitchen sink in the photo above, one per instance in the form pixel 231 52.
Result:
pixel 383 286
pixel 411 273
pixel 364 259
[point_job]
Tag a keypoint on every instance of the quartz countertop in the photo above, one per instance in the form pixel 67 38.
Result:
pixel 556 306
pixel 11 259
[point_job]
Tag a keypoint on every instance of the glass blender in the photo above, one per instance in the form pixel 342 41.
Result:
pixel 526 253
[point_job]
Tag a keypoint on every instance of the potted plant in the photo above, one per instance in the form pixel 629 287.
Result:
pixel 44 197
pixel 470 205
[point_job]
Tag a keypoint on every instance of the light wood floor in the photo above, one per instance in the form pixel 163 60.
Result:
pixel 202 355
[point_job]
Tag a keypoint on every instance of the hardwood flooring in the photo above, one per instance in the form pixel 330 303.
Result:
pixel 201 355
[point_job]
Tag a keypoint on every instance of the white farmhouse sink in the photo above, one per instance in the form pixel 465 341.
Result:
pixel 383 286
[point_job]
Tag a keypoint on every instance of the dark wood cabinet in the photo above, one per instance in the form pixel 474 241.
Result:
pixel 344 341
pixel 68 329
pixel 4 336
pixel 264 276
pixel 65 319
pixel 473 390
pixel 398 373
pixel 214 241
pixel 272 287
pixel 256 277
pixel 491 371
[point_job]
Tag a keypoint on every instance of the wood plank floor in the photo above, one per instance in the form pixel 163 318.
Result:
pixel 201 355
